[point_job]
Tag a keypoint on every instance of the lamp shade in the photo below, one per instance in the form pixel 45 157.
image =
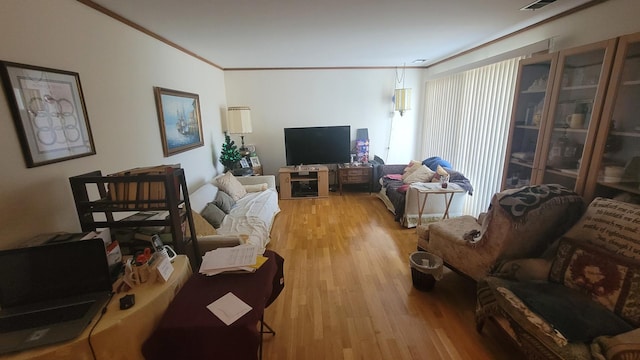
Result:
pixel 239 120
pixel 403 100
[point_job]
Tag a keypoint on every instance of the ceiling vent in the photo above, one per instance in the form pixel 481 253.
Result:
pixel 538 4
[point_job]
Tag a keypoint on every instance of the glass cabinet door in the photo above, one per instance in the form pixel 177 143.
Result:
pixel 533 87
pixel 615 168
pixel 578 97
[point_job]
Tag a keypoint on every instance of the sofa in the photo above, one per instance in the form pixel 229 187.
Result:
pixel 518 223
pixel 581 298
pixel 231 210
pixel 402 201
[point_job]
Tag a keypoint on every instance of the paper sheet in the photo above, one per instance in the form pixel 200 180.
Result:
pixel 229 308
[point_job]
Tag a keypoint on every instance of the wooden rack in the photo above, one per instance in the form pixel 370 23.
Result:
pixel 143 195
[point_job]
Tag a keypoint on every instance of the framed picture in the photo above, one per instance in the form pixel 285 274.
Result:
pixel 244 163
pixel 49 113
pixel 180 121
pixel 255 161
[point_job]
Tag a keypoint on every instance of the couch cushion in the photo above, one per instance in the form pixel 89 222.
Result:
pixel 574 315
pixel 229 184
pixel 213 214
pixel 202 196
pixel 610 224
pixel 611 280
pixel 224 201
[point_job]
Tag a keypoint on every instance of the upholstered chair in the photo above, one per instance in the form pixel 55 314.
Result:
pixel 519 223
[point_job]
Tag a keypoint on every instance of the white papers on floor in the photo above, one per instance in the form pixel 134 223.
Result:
pixel 237 258
pixel 229 308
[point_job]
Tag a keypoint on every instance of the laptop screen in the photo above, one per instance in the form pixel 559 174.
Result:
pixel 48 272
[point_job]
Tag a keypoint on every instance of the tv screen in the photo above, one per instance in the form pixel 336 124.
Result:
pixel 318 145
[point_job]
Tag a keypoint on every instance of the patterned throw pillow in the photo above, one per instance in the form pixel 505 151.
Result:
pixel 610 279
pixel 229 184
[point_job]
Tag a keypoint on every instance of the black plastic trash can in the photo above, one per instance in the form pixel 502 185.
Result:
pixel 426 268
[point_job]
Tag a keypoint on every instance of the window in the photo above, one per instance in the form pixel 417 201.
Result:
pixel 466 122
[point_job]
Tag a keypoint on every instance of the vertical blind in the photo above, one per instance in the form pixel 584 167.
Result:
pixel 466 122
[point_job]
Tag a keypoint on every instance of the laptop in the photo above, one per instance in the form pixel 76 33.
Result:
pixel 50 293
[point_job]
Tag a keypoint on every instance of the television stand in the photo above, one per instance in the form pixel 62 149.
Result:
pixel 306 181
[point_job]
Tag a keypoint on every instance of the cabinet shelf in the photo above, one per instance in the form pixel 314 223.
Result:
pixel 521 163
pixel 627 187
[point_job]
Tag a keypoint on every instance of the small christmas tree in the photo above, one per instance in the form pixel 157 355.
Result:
pixel 230 154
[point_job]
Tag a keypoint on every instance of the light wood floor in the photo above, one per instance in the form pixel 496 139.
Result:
pixel 348 292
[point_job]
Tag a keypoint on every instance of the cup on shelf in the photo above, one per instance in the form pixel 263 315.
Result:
pixel 575 121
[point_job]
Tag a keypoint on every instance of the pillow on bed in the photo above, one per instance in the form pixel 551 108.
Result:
pixel 422 174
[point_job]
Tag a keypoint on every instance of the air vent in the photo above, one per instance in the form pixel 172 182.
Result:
pixel 538 4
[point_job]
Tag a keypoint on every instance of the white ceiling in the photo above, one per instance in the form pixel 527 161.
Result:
pixel 330 33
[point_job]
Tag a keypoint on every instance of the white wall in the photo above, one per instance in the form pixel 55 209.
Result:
pixel 600 22
pixel 118 68
pixel 361 98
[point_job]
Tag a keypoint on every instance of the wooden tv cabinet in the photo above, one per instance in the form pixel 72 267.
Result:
pixel 307 181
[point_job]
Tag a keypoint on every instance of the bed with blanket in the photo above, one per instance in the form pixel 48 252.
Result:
pixel 402 201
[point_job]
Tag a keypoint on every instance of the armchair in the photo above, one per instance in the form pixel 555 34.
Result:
pixel 581 299
pixel 519 223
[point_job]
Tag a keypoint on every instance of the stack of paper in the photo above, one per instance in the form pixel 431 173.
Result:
pixel 241 258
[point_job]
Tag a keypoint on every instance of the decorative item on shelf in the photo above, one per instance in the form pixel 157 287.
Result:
pixel 537 113
pixel 556 155
pixel 614 143
pixel 239 122
pixel 538 85
pixel 229 156
pixel 402 96
pixel 362 145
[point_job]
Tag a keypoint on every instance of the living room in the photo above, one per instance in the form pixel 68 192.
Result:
pixel 119 66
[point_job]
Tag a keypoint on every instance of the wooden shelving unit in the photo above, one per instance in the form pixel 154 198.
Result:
pixel 304 182
pixel 97 204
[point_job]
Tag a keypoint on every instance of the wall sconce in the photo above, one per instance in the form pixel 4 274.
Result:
pixel 403 100
pixel 402 96
pixel 239 122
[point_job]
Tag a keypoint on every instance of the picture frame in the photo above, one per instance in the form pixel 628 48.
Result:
pixel 49 113
pixel 244 163
pixel 255 161
pixel 179 119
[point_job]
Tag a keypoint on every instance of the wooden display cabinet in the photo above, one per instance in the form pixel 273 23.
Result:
pixel 298 182
pixel 615 165
pixel 556 116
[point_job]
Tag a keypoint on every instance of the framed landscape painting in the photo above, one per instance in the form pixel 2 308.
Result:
pixel 49 113
pixel 180 121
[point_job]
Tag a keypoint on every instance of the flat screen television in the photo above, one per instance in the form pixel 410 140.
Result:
pixel 318 145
